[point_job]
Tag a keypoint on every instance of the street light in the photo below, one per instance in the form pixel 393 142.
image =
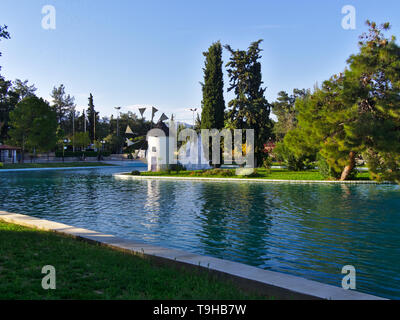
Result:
pixel 193 110
pixel 117 108
pixel 64 146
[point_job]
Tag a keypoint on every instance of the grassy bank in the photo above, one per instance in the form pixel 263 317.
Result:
pixel 53 165
pixel 278 174
pixel 89 271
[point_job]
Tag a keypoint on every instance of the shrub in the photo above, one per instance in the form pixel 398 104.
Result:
pixel 135 173
pixel 176 167
pixel 219 172
pixel 1 164
pixel 67 154
pixel 292 161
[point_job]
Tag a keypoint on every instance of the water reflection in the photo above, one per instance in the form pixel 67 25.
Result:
pixel 306 230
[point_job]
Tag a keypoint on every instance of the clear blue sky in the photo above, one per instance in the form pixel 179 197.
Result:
pixel 129 53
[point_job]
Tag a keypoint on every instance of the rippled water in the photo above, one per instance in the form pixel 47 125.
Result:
pixel 307 230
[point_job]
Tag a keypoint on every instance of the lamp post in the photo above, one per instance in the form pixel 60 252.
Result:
pixel 64 146
pixel 73 129
pixel 193 110
pixel 118 108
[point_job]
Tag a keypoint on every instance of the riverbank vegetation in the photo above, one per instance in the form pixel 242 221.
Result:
pixel 259 173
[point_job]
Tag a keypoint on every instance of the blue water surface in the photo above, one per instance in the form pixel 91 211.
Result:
pixel 308 230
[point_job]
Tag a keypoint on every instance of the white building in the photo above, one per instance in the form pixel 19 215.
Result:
pixel 158 151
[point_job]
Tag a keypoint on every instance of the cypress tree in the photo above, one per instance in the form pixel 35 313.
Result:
pixel 92 118
pixel 213 104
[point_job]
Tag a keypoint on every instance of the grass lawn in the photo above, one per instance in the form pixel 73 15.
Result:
pixel 90 271
pixel 278 174
pixel 53 165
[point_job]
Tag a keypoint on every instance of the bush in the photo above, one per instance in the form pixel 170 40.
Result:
pixel 324 169
pixel 290 160
pixel 1 164
pixel 219 172
pixel 176 167
pixel 135 173
pixel 67 154
pixel 267 163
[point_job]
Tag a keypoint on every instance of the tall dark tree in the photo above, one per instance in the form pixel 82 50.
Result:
pixel 8 100
pixel 63 105
pixel 92 118
pixel 33 125
pixel 249 109
pixel 23 89
pixel 213 103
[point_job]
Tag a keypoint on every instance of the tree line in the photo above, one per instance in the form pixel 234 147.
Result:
pixel 353 115
pixel 36 125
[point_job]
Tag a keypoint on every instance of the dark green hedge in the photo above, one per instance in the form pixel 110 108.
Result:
pixel 80 153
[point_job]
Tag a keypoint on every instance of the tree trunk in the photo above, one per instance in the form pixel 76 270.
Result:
pixel 347 169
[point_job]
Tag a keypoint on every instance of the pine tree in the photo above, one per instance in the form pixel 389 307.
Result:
pixel 357 112
pixel 63 104
pixel 213 104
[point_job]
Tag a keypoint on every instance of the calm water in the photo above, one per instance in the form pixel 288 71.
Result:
pixel 307 230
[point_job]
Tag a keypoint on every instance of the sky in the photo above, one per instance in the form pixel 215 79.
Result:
pixel 132 54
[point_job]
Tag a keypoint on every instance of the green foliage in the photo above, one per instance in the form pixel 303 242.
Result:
pixel 285 111
pixel 177 167
pixel 81 139
pixel 135 173
pixel 63 104
pixel 357 111
pixel 33 125
pixel 213 172
pixel 1 164
pixel 294 160
pixel 267 162
pixel 114 143
pixel 70 154
pixel 249 109
pixel 213 104
pixel 383 166
pixel 8 99
pixel 23 89
pixel 324 169
pixel 92 118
